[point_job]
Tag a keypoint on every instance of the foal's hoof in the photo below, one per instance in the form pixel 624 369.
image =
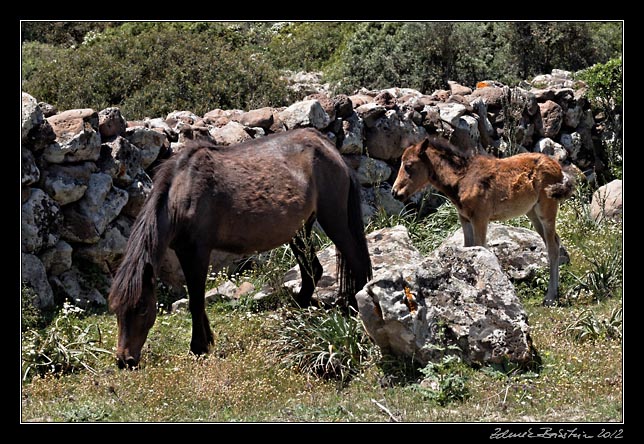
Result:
pixel 549 302
pixel 199 349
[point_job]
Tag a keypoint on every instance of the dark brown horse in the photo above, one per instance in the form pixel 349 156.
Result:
pixel 485 188
pixel 243 199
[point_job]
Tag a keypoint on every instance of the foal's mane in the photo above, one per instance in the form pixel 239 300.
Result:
pixel 449 153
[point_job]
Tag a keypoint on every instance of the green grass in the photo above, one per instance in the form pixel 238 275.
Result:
pixel 252 374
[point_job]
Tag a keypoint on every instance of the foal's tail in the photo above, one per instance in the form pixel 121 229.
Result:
pixel 565 188
pixel 353 277
pixel 145 247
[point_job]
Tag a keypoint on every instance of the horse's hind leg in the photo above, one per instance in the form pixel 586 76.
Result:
pixel 544 215
pixel 194 263
pixel 310 267
pixel 468 233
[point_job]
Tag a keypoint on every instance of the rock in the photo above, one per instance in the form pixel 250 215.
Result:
pixel 370 113
pixel 77 137
pixel 343 106
pixel 373 171
pixel 386 99
pixel 607 202
pixel 57 259
pixel 572 143
pixel 111 123
pixel 127 161
pixel 149 142
pixel 328 105
pixel 305 113
pixel 456 297
pixel 86 220
pixel 107 252
pixel 551 119
pixel 572 116
pixel 451 112
pixel 262 118
pixel 31 115
pixel 551 148
pixel 230 134
pixel 34 275
pixel 30 172
pixel 390 136
pixel 491 95
pixel 183 116
pixel 353 131
pixel 360 99
pixel 40 221
pixel 521 252
pixel 458 89
pixel 47 109
pixel 79 289
pixel 466 133
pixel 387 247
pixel 138 192
pixel 67 183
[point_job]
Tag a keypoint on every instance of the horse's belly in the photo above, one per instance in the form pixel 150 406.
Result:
pixel 505 210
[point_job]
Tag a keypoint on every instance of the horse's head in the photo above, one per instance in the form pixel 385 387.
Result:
pixel 135 317
pixel 412 175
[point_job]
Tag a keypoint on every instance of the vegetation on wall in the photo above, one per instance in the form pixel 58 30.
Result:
pixel 152 68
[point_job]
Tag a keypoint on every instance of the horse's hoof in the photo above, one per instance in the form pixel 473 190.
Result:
pixel 549 302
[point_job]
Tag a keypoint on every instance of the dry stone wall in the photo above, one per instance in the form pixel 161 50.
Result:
pixel 86 173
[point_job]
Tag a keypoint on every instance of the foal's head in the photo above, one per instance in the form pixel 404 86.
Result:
pixel 135 316
pixel 413 174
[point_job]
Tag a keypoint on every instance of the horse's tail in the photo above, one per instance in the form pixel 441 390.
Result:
pixel 352 279
pixel 145 247
pixel 565 188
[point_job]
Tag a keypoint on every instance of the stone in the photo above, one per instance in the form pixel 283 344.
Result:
pixel 606 203
pixel 79 289
pixel 77 137
pixel 30 173
pixel 111 123
pixel 521 252
pixel 572 143
pixel 451 112
pixel 373 171
pixel 491 95
pixel 551 119
pixel 127 161
pixel 551 148
pixel 138 192
pixel 305 113
pixel 360 99
pixel 31 115
pixel 106 253
pixel 67 183
pixel 353 131
pixel 390 136
pixel 456 297
pixel 262 118
pixel 387 247
pixel 34 275
pixel 86 220
pixel 57 259
pixel 230 134
pixel 343 106
pixel 370 112
pixel 40 221
pixel 149 142
pixel 328 105
pixel 458 89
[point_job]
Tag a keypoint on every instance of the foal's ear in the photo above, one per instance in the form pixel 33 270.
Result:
pixel 423 146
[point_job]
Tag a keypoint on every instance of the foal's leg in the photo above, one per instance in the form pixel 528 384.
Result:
pixel 536 223
pixel 468 233
pixel 194 263
pixel 479 230
pixel 546 213
pixel 310 267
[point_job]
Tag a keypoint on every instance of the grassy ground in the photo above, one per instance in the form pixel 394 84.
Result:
pixel 243 378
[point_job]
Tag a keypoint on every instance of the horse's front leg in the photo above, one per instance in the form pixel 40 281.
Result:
pixel 468 233
pixel 194 263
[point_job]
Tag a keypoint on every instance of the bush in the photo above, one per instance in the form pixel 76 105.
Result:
pixel 329 344
pixel 153 69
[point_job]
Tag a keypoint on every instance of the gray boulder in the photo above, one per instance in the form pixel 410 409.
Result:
pixel 57 259
pixel 67 183
pixel 111 123
pixel 34 275
pixel 40 221
pixel 390 135
pixel 107 252
pixel 30 172
pixel 455 297
pixel 373 171
pixel 520 251
pixel 31 115
pixel 230 134
pixel 77 137
pixel 305 113
pixel 607 202
pixel 79 289
pixel 149 141
pixel 353 130
pixel 86 220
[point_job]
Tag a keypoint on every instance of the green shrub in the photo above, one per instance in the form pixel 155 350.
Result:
pixel 329 344
pixel 63 347
pixel 444 381
pixel 588 327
